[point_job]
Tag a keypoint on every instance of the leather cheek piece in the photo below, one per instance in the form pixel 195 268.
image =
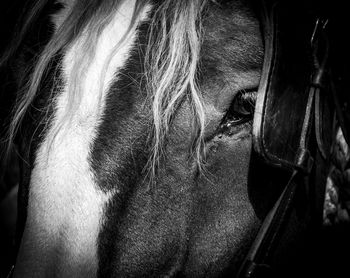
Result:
pixel 284 114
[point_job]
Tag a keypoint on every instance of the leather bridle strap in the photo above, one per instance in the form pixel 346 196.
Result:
pixel 258 261
pixel 256 264
pixel 10 273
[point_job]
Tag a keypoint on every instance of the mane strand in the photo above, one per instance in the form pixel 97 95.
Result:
pixel 171 62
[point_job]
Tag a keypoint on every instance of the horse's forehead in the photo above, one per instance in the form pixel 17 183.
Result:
pixel 232 37
pixel 232 53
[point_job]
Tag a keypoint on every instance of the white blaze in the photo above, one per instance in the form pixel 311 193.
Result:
pixel 65 206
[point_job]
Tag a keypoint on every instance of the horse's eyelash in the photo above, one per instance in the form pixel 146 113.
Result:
pixel 249 95
pixel 245 95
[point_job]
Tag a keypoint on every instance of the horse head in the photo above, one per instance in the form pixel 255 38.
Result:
pixel 135 129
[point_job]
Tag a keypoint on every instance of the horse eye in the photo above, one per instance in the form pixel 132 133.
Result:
pixel 241 109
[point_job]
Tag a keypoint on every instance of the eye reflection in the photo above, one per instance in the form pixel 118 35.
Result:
pixel 241 109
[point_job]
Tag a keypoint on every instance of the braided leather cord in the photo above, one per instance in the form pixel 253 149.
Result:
pixel 337 196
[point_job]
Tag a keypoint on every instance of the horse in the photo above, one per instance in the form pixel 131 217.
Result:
pixel 134 126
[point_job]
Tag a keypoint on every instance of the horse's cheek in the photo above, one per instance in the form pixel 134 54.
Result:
pixel 226 222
